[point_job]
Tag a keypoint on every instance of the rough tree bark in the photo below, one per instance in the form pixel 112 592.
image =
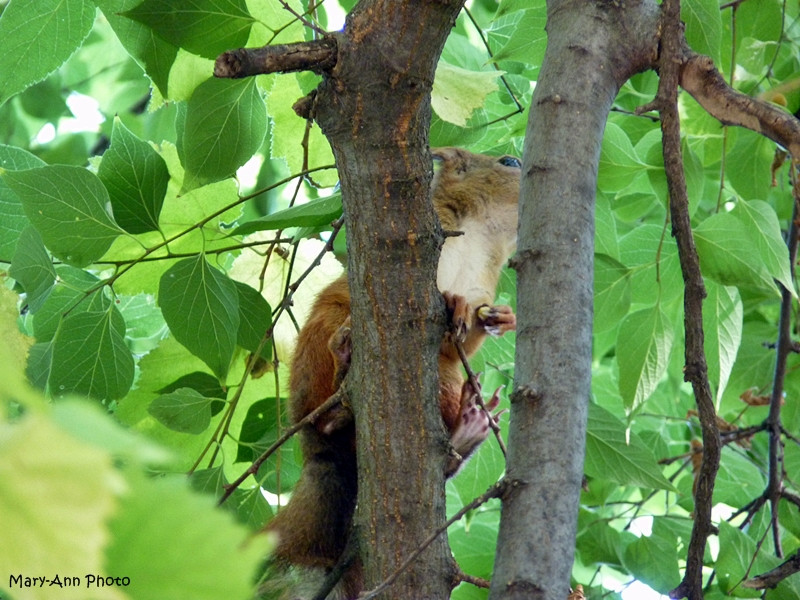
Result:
pixel 593 48
pixel 374 107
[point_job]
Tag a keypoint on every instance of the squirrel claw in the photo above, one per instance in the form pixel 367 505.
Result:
pixel 458 311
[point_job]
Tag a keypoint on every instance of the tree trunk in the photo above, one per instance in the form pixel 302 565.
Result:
pixel 593 48
pixel 375 110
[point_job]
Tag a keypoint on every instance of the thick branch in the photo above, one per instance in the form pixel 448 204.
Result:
pixel 704 82
pixel 317 55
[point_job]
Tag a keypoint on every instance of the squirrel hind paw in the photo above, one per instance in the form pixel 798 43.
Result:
pixel 473 422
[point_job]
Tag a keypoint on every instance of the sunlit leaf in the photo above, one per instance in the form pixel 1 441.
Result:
pixel 158 521
pixel 458 92
pixel 612 289
pixel 38 36
pixel 703 20
pixel 644 342
pixel 722 320
pixel 54 491
pixel 187 23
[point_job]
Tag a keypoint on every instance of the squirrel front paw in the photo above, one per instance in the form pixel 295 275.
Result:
pixel 496 320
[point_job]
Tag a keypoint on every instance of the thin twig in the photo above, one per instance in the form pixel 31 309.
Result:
pixel 473 380
pixel 338 397
pixel 496 491
pixel 283 306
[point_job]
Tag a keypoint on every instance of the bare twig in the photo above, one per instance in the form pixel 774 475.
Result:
pixel 316 55
pixel 696 371
pixel 496 491
pixel 284 306
pixel 473 380
pixel 338 397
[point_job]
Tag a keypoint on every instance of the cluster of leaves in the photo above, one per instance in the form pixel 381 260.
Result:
pixel 146 279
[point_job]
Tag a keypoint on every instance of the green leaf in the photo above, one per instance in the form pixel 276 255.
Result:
pixel 136 178
pixel 744 247
pixel 598 541
pixel 739 479
pixel 209 481
pixel 654 561
pixel 722 326
pixel 474 546
pixel 90 356
pixel 188 23
pixel 458 92
pixel 12 216
pixel 612 292
pixel 40 359
pixel 738 557
pixel 38 37
pixel 761 222
pixel 33 268
pixel 250 507
pixel 183 410
pixel 748 165
pixel 159 520
pixel 152 51
pixel 283 93
pixel 259 430
pixel 145 327
pixel 67 296
pixel 255 318
pixel 68 206
pixel 201 307
pixel 63 516
pixel 225 125
pixel 643 346
pixel 615 454
pixel 91 423
pixel 520 35
pixel 200 382
pixel 316 213
pixel 703 26
pixel 619 163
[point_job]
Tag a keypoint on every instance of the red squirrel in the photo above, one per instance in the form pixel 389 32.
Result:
pixel 476 195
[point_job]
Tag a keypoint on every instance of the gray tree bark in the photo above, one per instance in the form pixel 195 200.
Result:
pixel 593 48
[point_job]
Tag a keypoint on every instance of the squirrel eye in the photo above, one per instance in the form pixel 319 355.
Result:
pixel 510 161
